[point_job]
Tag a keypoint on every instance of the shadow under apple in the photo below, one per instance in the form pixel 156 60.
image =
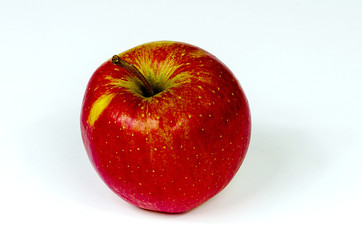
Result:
pixel 280 162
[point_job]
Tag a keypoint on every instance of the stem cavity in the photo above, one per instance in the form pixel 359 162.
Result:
pixel 131 68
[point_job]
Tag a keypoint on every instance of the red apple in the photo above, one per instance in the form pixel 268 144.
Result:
pixel 166 125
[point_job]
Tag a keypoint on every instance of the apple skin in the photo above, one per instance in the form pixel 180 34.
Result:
pixel 176 149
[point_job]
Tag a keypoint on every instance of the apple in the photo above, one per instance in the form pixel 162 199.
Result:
pixel 166 125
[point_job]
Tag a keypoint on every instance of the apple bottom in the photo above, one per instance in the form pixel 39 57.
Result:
pixel 163 178
pixel 165 195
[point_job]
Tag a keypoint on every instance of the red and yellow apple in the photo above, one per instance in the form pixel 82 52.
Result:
pixel 166 125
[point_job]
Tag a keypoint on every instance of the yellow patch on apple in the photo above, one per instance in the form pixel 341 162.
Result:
pixel 98 107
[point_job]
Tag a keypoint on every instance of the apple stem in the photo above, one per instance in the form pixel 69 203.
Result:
pixel 130 67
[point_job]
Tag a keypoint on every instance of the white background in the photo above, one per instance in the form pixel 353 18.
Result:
pixel 299 62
